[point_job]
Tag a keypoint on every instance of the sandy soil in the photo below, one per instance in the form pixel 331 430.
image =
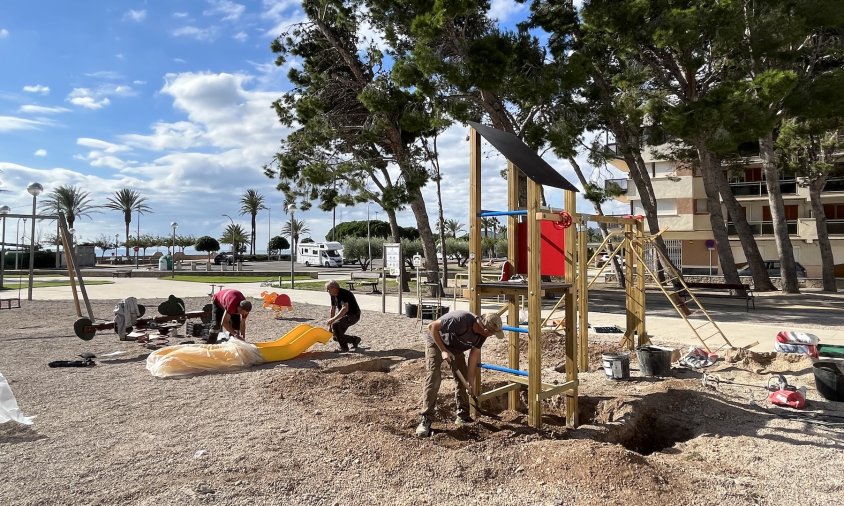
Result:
pixel 338 429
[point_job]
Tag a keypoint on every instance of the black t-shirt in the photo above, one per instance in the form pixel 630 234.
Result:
pixel 345 297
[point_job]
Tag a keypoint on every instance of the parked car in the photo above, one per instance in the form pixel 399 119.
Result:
pixel 228 258
pixel 773 267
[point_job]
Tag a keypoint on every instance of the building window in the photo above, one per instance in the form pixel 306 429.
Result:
pixel 664 207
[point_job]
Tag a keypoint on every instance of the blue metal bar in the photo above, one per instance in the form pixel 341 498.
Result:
pixel 484 214
pixel 515 329
pixel 504 369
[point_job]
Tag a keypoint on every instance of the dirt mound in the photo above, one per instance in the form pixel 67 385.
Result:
pixel 767 362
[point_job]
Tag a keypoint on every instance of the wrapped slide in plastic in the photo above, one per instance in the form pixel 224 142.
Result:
pixel 185 359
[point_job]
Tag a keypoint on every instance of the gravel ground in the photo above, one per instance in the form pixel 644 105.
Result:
pixel 337 429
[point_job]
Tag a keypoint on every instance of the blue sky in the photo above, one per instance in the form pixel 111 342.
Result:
pixel 172 99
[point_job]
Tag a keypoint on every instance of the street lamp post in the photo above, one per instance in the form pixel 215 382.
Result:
pixel 269 231
pixel 368 238
pixel 138 239
pixel 72 246
pixel 19 237
pixel 4 210
pixel 174 225
pixel 232 233
pixel 292 210
pixel 117 243
pixel 35 190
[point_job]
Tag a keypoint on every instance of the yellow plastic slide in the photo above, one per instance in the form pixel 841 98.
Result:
pixel 294 343
pixel 184 359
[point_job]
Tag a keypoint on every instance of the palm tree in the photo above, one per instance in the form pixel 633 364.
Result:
pixel 234 235
pixel 126 201
pixel 251 203
pixel 293 229
pixel 71 201
pixel 453 227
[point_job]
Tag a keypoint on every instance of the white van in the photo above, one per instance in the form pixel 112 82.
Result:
pixel 324 254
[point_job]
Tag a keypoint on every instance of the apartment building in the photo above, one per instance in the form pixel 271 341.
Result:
pixel 681 206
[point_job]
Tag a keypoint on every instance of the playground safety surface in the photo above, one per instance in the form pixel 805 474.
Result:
pixel 329 428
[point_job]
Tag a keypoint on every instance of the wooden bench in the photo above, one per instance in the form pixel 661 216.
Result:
pixel 736 291
pixel 373 285
pixel 121 274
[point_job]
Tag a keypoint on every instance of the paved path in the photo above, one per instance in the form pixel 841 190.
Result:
pixel 812 312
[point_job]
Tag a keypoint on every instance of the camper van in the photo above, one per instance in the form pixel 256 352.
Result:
pixel 324 254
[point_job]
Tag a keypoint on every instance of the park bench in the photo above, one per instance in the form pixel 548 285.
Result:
pixel 735 291
pixel 123 273
pixel 373 285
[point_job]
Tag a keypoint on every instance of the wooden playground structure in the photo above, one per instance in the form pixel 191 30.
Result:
pixel 546 244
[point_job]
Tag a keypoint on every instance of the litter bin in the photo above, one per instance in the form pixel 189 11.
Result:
pixel 162 263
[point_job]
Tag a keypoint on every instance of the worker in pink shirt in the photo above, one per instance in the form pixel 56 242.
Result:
pixel 230 309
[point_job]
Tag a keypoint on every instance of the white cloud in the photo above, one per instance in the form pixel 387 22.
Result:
pixel 109 75
pixel 98 98
pixel 228 9
pixel 136 16
pixel 100 145
pixel 181 135
pixel 4 33
pixel 37 88
pixel 504 10
pixel 12 123
pixel 40 109
pixel 193 32
pixel 282 15
pixel 240 36
pixel 40 152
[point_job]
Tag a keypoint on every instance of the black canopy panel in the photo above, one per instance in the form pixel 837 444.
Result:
pixel 526 159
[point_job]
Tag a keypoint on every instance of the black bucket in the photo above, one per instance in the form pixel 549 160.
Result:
pixel 411 310
pixel 829 380
pixel 654 361
pixel 433 312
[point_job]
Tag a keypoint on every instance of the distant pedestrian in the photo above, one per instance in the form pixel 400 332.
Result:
pixel 345 312
pixel 229 311
pixel 448 338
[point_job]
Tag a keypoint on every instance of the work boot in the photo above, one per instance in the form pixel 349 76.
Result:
pixel 355 342
pixel 424 427
pixel 463 419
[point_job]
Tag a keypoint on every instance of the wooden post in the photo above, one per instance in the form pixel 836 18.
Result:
pixel 631 302
pixel 639 232
pixel 582 297
pixel 571 296
pixel 534 308
pixel 474 237
pixel 513 258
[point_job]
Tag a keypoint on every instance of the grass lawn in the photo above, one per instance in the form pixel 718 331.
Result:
pixel 235 279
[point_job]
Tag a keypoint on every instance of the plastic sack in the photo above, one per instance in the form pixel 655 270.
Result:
pixel 790 337
pixel 808 349
pixel 9 405
pixel 185 359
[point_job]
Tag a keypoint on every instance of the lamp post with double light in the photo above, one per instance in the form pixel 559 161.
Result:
pixel 292 210
pixel 4 210
pixel 174 226
pixel 35 190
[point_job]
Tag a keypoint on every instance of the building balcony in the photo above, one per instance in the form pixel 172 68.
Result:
pixel 760 188
pixel 614 186
pixel 802 228
pixel 834 184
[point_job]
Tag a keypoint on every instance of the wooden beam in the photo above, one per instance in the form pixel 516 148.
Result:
pixel 568 386
pixel 510 387
pixel 513 257
pixel 534 307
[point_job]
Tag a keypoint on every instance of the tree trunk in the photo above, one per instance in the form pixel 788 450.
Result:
pixel 716 217
pixel 429 249
pixel 788 270
pixel 827 259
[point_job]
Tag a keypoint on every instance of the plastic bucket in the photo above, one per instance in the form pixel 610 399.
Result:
pixel 411 310
pixel 433 312
pixel 829 380
pixel 654 361
pixel 616 365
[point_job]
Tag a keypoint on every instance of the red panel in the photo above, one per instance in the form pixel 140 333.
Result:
pixel 552 249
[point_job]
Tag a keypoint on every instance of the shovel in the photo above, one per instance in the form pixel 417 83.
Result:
pixel 473 400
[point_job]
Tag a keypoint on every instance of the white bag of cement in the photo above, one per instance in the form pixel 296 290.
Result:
pixel 9 405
